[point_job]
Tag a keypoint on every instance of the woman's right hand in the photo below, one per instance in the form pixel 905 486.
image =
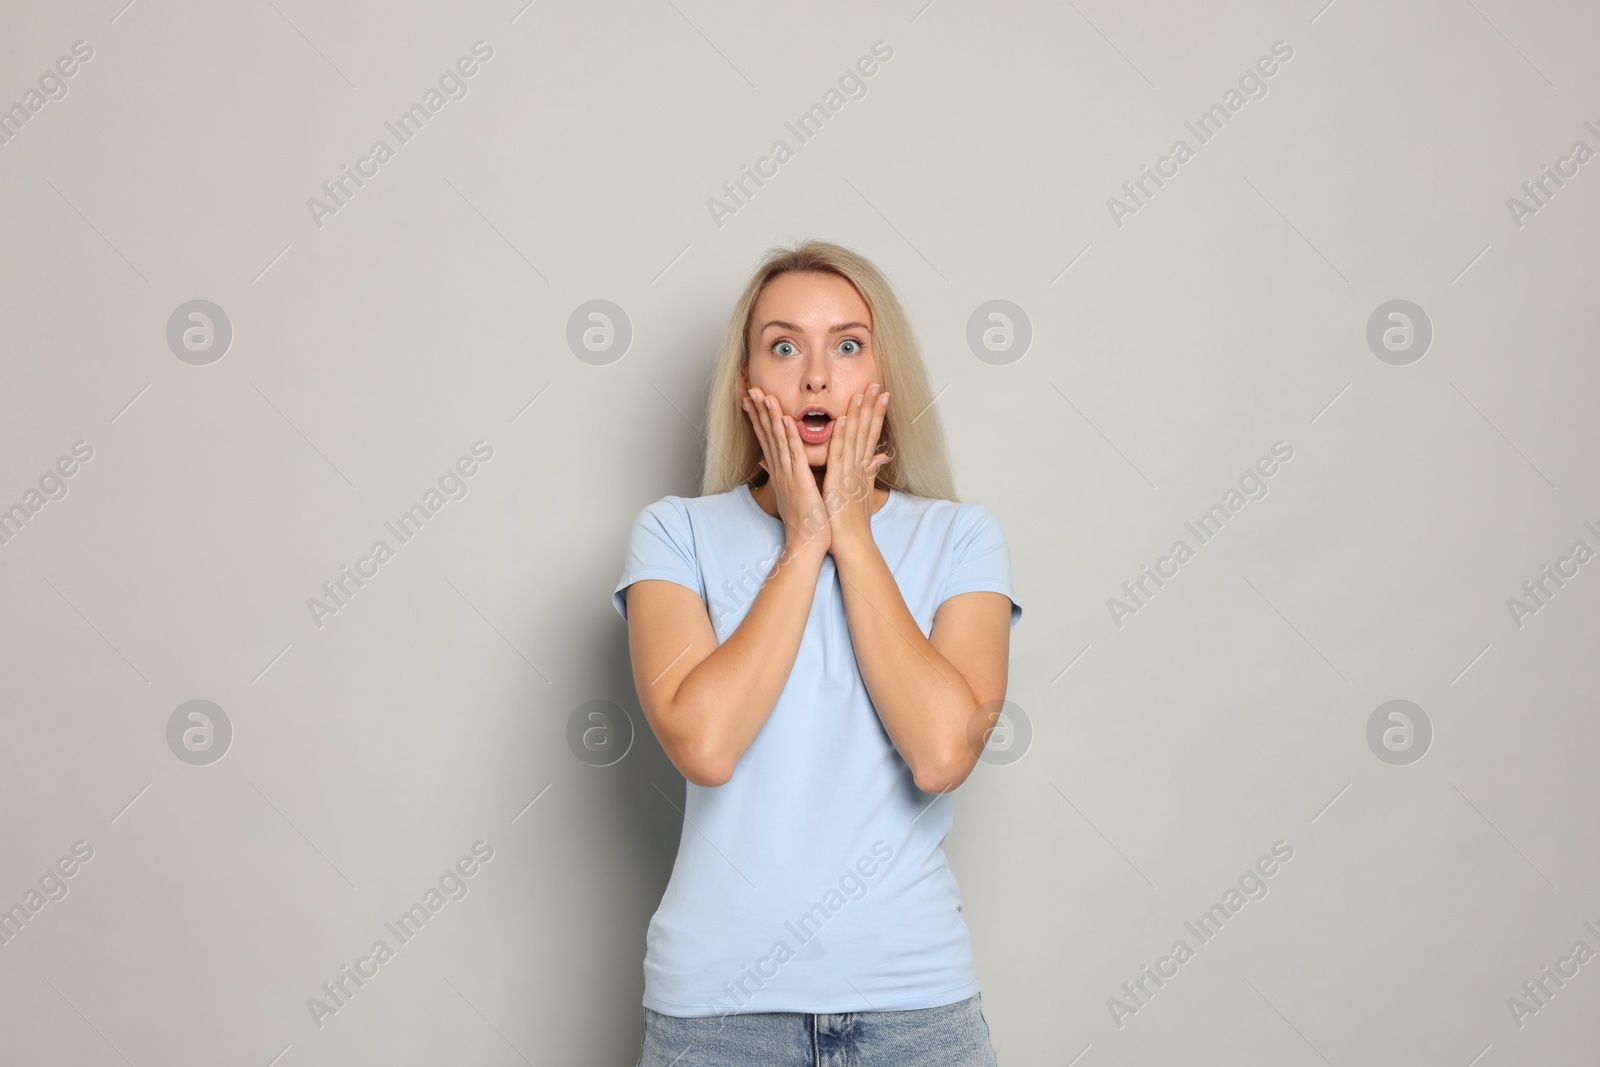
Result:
pixel 794 485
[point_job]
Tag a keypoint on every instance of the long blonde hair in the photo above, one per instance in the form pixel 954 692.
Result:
pixel 919 463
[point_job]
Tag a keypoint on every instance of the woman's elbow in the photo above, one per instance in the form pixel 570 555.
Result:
pixel 943 777
pixel 682 736
pixel 701 765
pixel 708 775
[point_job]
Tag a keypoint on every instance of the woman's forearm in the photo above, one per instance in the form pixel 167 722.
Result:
pixel 721 705
pixel 925 704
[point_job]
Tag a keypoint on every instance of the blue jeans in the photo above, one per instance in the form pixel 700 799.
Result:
pixel 954 1035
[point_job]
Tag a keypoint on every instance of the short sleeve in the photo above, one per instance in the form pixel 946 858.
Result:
pixel 660 545
pixel 982 560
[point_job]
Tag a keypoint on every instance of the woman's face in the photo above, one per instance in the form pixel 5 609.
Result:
pixel 811 349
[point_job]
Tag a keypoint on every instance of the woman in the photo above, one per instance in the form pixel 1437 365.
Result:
pixel 820 643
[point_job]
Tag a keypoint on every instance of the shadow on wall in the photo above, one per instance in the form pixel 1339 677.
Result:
pixel 632 813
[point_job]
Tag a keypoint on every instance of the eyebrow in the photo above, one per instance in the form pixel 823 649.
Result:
pixel 836 329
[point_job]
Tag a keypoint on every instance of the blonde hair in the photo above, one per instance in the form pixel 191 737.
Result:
pixel 919 463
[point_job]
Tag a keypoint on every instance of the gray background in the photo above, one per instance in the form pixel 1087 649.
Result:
pixel 1167 355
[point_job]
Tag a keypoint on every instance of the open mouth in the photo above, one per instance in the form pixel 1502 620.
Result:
pixel 815 426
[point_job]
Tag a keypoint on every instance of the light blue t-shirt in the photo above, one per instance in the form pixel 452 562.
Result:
pixel 814 879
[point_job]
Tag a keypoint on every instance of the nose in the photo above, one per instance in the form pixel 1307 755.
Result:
pixel 816 373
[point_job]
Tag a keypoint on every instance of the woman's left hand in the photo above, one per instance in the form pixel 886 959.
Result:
pixel 850 484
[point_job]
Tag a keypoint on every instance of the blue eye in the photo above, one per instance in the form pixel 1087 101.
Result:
pixel 851 341
pixel 775 344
